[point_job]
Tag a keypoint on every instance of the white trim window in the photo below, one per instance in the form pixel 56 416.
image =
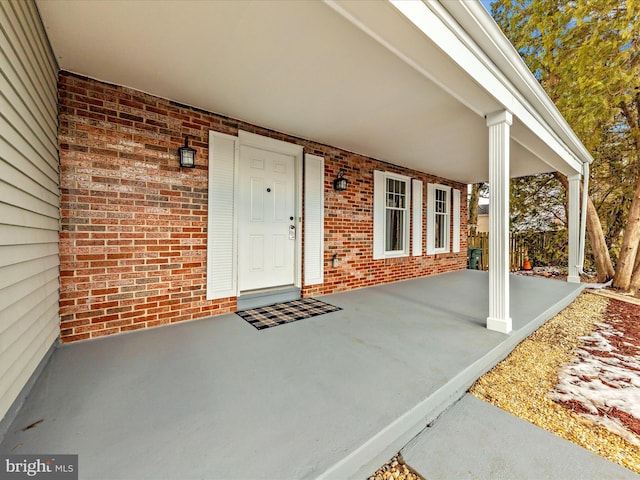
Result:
pixel 442 220
pixel 391 221
pixel 438 218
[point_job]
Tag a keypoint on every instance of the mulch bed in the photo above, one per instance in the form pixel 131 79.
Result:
pixel 578 376
pixel 604 380
pixel 626 318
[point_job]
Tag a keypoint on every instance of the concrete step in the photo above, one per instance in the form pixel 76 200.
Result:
pixel 475 440
pixel 262 298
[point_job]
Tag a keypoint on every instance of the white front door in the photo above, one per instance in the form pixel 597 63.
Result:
pixel 266 214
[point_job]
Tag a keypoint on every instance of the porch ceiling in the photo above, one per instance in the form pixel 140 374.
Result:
pixel 305 68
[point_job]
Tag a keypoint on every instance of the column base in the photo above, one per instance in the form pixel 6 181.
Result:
pixel 573 279
pixel 499 324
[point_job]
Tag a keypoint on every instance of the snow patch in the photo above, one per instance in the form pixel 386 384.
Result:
pixel 601 379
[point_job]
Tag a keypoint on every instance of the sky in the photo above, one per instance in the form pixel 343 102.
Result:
pixel 487 4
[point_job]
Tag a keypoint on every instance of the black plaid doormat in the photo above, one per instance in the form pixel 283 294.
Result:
pixel 274 315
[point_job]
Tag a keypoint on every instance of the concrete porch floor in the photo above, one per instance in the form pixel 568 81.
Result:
pixel 333 396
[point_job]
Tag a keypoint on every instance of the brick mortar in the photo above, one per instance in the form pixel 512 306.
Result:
pixel 134 225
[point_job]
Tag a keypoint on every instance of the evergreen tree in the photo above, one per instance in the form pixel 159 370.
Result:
pixel 586 54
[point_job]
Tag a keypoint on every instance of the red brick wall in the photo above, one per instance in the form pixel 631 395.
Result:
pixel 133 224
pixel 349 229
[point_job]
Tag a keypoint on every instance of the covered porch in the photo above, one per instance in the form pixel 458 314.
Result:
pixel 332 396
pixel 430 86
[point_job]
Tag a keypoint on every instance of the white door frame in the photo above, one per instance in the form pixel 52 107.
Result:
pixel 285 148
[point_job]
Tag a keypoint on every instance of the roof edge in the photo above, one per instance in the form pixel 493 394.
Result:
pixel 533 92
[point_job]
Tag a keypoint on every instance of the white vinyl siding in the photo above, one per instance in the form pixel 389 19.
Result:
pixel 313 220
pixel 29 199
pixel 221 241
pixel 392 200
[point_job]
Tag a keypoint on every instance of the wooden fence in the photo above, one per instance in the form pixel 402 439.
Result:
pixel 520 247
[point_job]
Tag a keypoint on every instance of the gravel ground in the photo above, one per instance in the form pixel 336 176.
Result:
pixel 522 383
pixel 395 469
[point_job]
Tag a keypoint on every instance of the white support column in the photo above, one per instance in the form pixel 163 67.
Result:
pixel 583 213
pixel 499 139
pixel 574 231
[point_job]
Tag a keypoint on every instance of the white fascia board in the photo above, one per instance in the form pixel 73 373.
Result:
pixel 438 25
pixel 476 13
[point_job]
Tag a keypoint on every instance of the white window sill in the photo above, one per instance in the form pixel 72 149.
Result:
pixel 395 255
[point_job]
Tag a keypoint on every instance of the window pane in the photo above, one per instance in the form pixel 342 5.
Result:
pixel 440 231
pixel 441 201
pixel 395 231
pixel 395 214
pixel 396 190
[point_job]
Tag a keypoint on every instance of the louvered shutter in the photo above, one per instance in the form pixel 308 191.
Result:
pixel 456 221
pixel 313 219
pixel 378 214
pixel 416 241
pixel 221 235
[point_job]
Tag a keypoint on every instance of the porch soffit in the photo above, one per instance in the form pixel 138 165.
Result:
pixel 477 23
pixel 303 68
pixel 490 60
